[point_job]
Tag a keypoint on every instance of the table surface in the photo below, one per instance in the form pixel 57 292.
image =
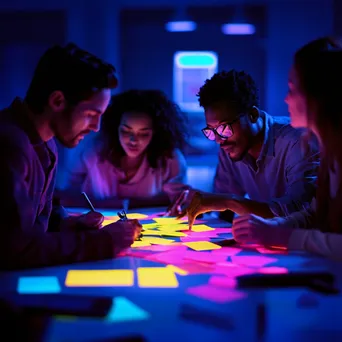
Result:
pixel 206 285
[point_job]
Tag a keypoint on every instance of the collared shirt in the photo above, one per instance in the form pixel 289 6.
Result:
pixel 284 176
pixel 27 181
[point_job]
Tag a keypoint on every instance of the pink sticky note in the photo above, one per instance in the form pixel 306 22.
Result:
pixel 216 294
pixel 232 271
pixel 169 257
pixel 273 270
pixel 253 260
pixel 191 238
pixel 207 257
pixel 223 282
pixel 164 248
pixel 223 230
pixel 196 267
pixel 263 250
pixel 228 251
pixel 208 234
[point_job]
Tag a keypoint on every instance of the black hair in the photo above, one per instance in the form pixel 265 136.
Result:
pixel 169 125
pixel 77 73
pixel 236 87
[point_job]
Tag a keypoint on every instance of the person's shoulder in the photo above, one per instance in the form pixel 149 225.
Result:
pixel 284 131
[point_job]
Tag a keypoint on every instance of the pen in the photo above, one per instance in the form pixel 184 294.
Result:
pixel 91 207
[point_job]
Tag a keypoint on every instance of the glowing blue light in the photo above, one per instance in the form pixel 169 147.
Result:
pixel 180 26
pixel 38 285
pixel 238 29
pixel 190 70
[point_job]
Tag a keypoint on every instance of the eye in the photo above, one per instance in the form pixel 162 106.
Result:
pixel 124 132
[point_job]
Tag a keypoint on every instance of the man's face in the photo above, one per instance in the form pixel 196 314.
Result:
pixel 240 142
pixel 72 125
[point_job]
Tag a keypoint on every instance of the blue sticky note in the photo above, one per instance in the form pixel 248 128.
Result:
pixel 38 285
pixel 124 310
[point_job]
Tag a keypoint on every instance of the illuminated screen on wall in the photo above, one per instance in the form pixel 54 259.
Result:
pixel 190 70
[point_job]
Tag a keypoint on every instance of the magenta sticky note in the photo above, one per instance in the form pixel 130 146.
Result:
pixel 196 267
pixel 228 251
pixel 273 270
pixel 207 257
pixel 223 230
pixel 231 270
pixel 253 260
pixel 223 281
pixel 264 250
pixel 216 294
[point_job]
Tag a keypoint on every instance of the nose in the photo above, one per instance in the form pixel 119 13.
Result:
pixel 286 100
pixel 132 138
pixel 218 140
pixel 95 124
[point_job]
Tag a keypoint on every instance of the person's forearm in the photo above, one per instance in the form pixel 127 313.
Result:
pixel 242 206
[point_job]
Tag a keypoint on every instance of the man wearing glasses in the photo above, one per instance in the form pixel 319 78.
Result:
pixel 261 156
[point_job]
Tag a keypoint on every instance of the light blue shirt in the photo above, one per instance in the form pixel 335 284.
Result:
pixel 284 175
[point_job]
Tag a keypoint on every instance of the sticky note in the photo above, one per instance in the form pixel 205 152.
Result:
pixel 201 245
pixel 151 232
pixel 150 225
pixel 106 222
pixel 172 227
pixel 140 244
pixel 253 260
pixel 167 220
pixel 136 216
pixel 201 228
pixel 172 234
pixel 216 294
pixel 157 241
pixel 124 310
pixel 156 277
pixel 38 285
pixel 177 270
pixel 88 278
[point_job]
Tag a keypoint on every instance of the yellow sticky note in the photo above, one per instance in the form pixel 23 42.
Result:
pixel 171 234
pixel 140 244
pixel 89 278
pixel 167 220
pixel 202 245
pixel 109 221
pixel 157 241
pixel 201 228
pixel 136 216
pixel 172 227
pixel 177 270
pixel 151 232
pixel 149 225
pixel 156 277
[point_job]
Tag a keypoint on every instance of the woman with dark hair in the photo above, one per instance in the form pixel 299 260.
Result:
pixel 314 102
pixel 136 156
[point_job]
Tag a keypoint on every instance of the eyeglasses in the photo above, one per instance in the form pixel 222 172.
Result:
pixel 224 131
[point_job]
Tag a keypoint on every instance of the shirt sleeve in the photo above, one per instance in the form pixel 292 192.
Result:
pixel 315 241
pixel 225 180
pixel 301 169
pixel 24 241
pixel 175 181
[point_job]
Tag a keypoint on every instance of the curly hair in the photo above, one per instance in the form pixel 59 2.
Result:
pixel 235 87
pixel 169 125
pixel 76 72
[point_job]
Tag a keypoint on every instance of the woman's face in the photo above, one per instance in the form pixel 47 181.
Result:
pixel 135 133
pixel 296 102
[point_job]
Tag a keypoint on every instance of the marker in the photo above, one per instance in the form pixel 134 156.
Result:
pixel 90 205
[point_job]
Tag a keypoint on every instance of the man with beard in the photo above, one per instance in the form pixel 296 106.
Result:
pixel 261 156
pixel 69 91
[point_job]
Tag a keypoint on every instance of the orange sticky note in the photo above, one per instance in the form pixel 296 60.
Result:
pixel 157 241
pixel 201 228
pixel 156 277
pixel 140 244
pixel 202 245
pixel 90 278
pixel 177 270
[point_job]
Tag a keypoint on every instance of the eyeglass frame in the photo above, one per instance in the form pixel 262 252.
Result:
pixel 214 130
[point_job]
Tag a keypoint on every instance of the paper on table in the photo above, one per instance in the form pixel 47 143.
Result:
pixel 163 248
pixel 228 251
pixel 157 241
pixel 207 257
pixel 232 270
pixel 223 282
pixel 38 285
pixel 156 277
pixel 273 270
pixel 201 228
pixel 88 278
pixel 124 310
pixel 216 294
pixel 253 260
pixel 170 257
pixel 177 270
pixel 137 244
pixel 151 232
pixel 167 220
pixel 202 245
